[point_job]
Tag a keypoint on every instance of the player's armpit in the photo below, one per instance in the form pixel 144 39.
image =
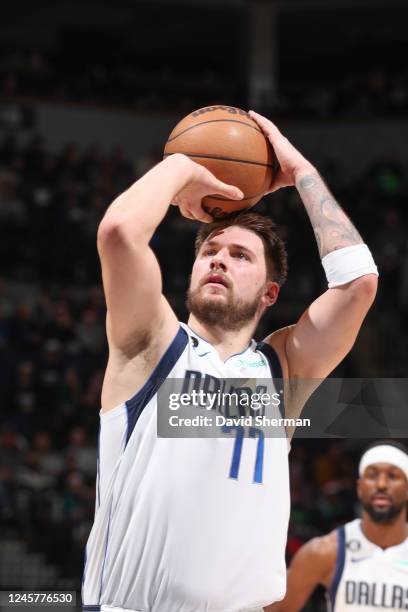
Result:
pixel 328 329
pixel 297 391
pixel 313 564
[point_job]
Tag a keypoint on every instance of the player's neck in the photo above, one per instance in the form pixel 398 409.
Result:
pixel 385 535
pixel 226 342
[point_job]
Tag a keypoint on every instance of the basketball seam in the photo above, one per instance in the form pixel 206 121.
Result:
pixel 230 159
pixel 214 121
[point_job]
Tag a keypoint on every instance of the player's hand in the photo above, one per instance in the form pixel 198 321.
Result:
pixel 200 182
pixel 291 161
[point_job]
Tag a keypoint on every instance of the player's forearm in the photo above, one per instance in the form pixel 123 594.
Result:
pixel 139 210
pixel 332 227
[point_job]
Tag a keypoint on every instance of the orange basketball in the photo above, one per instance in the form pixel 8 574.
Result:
pixel 232 146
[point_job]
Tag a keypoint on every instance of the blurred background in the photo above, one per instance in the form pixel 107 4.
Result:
pixel 88 95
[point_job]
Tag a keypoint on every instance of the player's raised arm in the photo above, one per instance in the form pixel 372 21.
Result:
pixel 327 330
pixel 313 564
pixel 131 274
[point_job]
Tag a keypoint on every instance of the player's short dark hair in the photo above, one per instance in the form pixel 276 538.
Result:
pixel 275 251
pixel 386 442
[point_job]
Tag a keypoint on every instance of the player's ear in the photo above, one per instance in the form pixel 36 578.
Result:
pixel 271 293
pixel 358 488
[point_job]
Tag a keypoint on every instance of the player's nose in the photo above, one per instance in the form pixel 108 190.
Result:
pixel 218 262
pixel 382 482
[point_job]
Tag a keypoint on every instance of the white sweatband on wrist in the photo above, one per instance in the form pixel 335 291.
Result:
pixel 346 264
pixel 384 453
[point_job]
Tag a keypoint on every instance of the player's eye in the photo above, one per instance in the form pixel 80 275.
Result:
pixel 209 252
pixel 241 255
pixel 371 475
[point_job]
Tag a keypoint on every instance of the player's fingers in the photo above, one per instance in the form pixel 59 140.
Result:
pixel 187 213
pixel 194 212
pixel 228 191
pixel 185 209
pixel 204 216
pixel 267 125
pixel 197 211
pixel 279 181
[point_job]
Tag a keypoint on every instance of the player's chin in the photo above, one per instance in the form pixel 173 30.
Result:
pixel 383 514
pixel 208 296
pixel 216 297
pixel 215 289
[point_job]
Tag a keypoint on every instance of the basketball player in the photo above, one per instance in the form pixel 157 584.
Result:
pixel 364 564
pixel 190 525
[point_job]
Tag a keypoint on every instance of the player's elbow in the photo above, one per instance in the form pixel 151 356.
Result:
pixel 111 233
pixel 364 289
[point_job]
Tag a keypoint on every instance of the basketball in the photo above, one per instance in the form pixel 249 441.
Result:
pixel 232 146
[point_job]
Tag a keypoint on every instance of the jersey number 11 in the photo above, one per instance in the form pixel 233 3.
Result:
pixel 236 453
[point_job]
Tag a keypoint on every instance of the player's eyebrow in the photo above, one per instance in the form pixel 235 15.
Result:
pixel 234 246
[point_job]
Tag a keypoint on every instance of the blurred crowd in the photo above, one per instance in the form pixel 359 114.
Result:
pixel 120 81
pixel 117 81
pixel 358 94
pixel 52 340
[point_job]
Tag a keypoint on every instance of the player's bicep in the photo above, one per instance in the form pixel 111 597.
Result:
pixel 133 291
pixel 328 329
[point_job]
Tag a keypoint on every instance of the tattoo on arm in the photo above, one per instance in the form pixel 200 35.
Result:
pixel 332 227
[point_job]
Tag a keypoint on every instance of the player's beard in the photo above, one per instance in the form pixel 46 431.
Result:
pixel 230 314
pixel 383 515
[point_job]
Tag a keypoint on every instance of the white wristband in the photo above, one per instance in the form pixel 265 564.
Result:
pixel 344 265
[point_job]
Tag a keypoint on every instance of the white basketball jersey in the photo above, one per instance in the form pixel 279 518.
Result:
pixel 368 578
pixel 188 525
